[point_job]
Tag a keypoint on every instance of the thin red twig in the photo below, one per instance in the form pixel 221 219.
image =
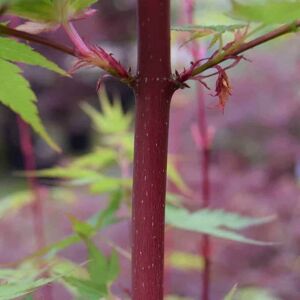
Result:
pixel 37 205
pixel 204 154
pixel 30 165
pixel 36 39
pixel 282 30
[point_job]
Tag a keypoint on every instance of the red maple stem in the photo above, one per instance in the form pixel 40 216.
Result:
pixel 37 205
pixel 154 90
pixel 204 154
pixel 205 250
pixel 30 165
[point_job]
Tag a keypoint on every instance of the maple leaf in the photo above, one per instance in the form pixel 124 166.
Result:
pixel 223 87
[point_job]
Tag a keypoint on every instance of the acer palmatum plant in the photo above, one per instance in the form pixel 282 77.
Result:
pixel 153 84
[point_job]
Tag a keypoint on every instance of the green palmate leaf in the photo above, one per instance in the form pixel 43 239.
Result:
pixel 217 223
pixel 41 10
pixel 112 119
pixel 99 159
pixel 102 270
pixel 268 12
pixel 218 218
pixel 15 90
pixel 15 93
pixel 18 52
pixel 49 11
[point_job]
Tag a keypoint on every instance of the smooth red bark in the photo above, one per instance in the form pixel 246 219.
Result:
pixel 154 89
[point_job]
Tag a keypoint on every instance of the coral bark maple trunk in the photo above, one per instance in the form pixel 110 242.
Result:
pixel 153 89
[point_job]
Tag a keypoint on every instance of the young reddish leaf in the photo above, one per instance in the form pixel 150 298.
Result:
pixel 223 88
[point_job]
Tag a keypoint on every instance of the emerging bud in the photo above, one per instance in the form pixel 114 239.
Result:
pixel 95 56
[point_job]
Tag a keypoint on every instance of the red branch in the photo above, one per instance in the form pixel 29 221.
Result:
pixel 37 205
pixel 204 153
pixel 30 165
